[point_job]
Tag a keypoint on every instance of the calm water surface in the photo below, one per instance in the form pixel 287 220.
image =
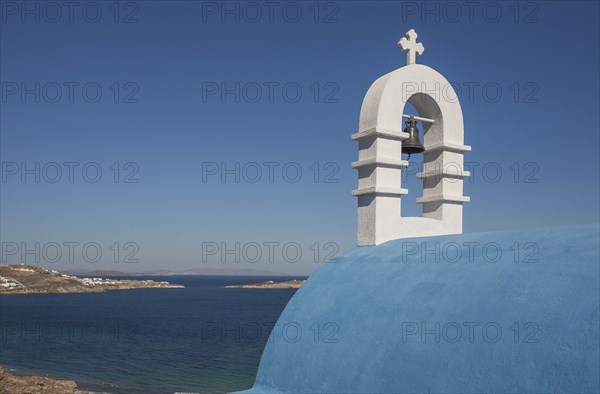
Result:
pixel 203 338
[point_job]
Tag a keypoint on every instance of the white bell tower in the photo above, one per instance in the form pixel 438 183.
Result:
pixel 380 161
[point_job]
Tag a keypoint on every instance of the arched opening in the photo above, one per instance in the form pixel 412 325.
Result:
pixel 422 105
pixel 433 205
pixel 410 208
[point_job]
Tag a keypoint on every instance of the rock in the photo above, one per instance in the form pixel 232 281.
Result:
pixel 13 384
pixel 290 284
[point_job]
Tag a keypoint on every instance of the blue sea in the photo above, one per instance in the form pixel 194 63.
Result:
pixel 204 338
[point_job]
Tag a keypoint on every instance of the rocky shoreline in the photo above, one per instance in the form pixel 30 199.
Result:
pixel 12 384
pixel 28 279
pixel 290 284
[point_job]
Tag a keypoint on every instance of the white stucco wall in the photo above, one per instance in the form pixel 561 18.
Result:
pixel 380 161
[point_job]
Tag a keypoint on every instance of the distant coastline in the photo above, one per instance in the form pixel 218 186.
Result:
pixel 270 284
pixel 209 271
pixel 28 279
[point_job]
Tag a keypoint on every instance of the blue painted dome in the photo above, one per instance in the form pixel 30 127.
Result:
pixel 513 311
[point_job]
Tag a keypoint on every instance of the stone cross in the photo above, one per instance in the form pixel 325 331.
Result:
pixel 409 43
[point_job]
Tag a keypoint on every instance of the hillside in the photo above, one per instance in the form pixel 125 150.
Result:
pixel 28 279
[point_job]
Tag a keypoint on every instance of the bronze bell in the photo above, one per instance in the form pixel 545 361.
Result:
pixel 412 144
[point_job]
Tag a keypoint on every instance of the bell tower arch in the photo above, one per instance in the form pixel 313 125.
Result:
pixel 380 163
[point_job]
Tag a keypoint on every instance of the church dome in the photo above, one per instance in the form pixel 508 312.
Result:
pixel 512 311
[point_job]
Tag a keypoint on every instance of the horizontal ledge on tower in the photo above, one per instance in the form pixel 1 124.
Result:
pixel 443 198
pixel 382 162
pixel 380 132
pixel 392 191
pixel 446 173
pixel 448 147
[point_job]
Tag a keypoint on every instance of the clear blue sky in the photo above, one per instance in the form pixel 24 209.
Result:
pixel 167 69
